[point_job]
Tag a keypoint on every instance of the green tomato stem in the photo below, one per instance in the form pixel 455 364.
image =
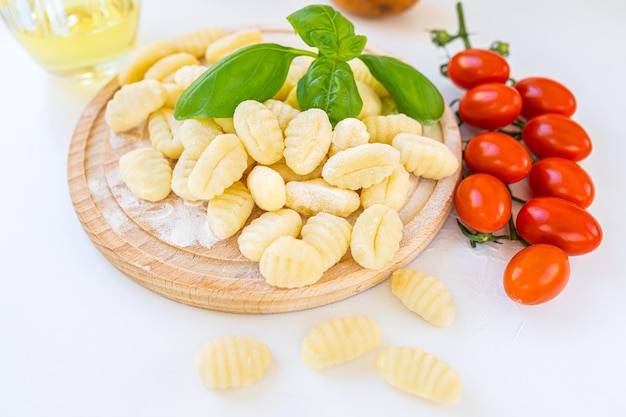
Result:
pixel 462 29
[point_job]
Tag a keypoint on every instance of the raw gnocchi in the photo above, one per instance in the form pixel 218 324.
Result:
pixel 163 130
pixel 290 263
pixel 196 42
pixel 423 294
pixel 316 196
pixel 376 236
pixel 142 59
pixel 168 65
pixel 330 235
pixel 228 212
pixel 146 173
pixel 196 134
pixel 267 188
pixel 180 177
pixel 383 128
pixel 419 373
pixel 260 132
pixel 265 229
pixel 392 191
pixel 231 42
pixel 425 157
pixel 232 361
pixel 132 104
pixel 307 140
pixel 339 340
pixel 348 133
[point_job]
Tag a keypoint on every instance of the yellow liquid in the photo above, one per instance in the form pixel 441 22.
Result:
pixel 91 42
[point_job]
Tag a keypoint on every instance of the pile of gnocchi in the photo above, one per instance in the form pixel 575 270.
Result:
pixel 317 191
pixel 236 361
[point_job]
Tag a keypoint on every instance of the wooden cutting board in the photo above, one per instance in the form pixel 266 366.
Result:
pixel 166 246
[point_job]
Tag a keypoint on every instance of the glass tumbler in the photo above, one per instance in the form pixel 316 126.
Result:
pixel 76 39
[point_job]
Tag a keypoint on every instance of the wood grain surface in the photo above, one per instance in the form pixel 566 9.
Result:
pixel 129 233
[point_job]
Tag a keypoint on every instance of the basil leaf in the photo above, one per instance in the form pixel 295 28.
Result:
pixel 351 47
pixel 329 85
pixel 255 72
pixel 413 93
pixel 326 43
pixel 320 17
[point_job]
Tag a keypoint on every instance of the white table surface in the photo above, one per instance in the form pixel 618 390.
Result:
pixel 78 338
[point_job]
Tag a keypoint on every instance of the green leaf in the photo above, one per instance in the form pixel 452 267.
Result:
pixel 329 85
pixel 351 47
pixel 255 72
pixel 317 17
pixel 414 94
pixel 326 42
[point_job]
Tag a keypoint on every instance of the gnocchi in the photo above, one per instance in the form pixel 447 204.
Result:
pixel 228 212
pixel 420 374
pixel 383 128
pixel 180 177
pixel 168 65
pixel 330 235
pixel 391 191
pixel 163 130
pixel 290 263
pixel 196 134
pixel 258 129
pixel 376 236
pixel 316 196
pixel 232 361
pixel 339 340
pixel 146 173
pixel 132 104
pixel 307 140
pixel 267 188
pixel 423 294
pixel 231 42
pixel 196 42
pixel 425 157
pixel 265 229
pixel 142 59
pixel 348 133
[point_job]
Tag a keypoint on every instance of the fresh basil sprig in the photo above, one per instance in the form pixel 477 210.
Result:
pixel 257 72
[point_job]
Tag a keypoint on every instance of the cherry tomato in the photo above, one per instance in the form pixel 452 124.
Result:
pixel 544 95
pixel 483 203
pixel 560 223
pixel 536 274
pixel 498 154
pixel 559 177
pixel 475 66
pixel 490 106
pixel 553 134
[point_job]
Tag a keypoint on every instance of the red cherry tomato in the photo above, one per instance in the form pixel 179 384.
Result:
pixel 553 134
pixel 560 223
pixel 498 154
pixel 490 106
pixel 536 274
pixel 483 203
pixel 563 178
pixel 544 95
pixel 475 66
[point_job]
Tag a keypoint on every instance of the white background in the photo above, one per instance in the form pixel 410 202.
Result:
pixel 78 338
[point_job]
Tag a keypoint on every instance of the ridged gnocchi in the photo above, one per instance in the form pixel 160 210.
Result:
pixel 260 132
pixel 425 157
pixel 423 294
pixel 221 164
pixel 420 374
pixel 146 173
pixel 196 42
pixel 132 104
pixel 228 212
pixel 383 128
pixel 142 59
pixel 372 105
pixel 265 229
pixel 360 166
pixel 330 235
pixel 168 65
pixel 307 140
pixel 267 188
pixel 284 112
pixel 231 42
pixel 339 341
pixel 186 75
pixel 376 236
pixel 180 177
pixel 316 196
pixel 391 191
pixel 163 130
pixel 232 361
pixel 348 133
pixel 196 134
pixel 290 263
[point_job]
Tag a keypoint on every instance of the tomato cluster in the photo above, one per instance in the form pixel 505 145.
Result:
pixel 523 131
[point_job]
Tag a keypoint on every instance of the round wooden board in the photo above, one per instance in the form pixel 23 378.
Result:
pixel 136 238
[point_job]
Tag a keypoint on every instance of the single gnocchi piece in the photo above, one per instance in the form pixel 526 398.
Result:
pixel 265 229
pixel 392 191
pixel 372 105
pixel 180 177
pixel 420 374
pixel 173 93
pixel 307 140
pixel 132 104
pixel 425 157
pixel 361 166
pixel 376 236
pixel 383 129
pixel 168 65
pixel 230 43
pixel 339 340
pixel 228 212
pixel 316 196
pixel 362 73
pixel 163 130
pixel 290 263
pixel 423 294
pixel 259 131
pixel 196 134
pixel 330 235
pixel 186 75
pixel 348 133
pixel 221 164
pixel 232 361
pixel 146 173
pixel 142 59
pixel 267 188
pixel 284 112
pixel 196 42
